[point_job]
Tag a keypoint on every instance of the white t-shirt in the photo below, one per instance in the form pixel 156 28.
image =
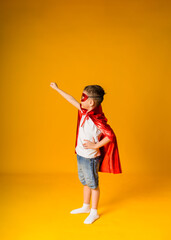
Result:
pixel 87 131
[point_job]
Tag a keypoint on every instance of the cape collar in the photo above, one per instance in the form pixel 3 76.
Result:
pixel 96 110
pixel 95 113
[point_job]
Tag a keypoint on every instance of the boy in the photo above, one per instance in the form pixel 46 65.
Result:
pixel 96 146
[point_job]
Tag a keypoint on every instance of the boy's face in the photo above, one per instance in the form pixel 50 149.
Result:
pixel 87 103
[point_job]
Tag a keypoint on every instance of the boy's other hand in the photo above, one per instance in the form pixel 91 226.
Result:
pixel 54 85
pixel 89 144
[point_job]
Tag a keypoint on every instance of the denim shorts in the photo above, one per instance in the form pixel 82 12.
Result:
pixel 88 170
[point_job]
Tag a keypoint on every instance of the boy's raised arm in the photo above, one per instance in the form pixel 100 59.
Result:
pixel 68 97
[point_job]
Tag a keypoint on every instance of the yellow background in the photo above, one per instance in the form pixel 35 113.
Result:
pixel 124 46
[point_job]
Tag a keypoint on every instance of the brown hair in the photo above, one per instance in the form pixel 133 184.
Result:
pixel 96 90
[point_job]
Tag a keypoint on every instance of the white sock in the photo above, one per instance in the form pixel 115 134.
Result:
pixel 92 216
pixel 84 209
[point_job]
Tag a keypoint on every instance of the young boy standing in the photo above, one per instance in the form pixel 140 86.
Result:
pixel 96 146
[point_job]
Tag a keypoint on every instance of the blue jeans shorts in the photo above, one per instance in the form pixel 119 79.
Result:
pixel 88 170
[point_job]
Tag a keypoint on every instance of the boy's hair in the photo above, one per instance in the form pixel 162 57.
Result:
pixel 96 90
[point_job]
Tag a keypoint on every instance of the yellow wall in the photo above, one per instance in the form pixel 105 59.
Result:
pixel 122 45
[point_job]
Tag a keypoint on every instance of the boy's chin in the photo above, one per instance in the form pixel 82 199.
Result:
pixel 83 106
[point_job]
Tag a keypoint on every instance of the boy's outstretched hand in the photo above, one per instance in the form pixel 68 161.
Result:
pixel 89 144
pixel 54 85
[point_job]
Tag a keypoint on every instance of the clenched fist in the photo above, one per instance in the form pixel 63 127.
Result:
pixel 54 85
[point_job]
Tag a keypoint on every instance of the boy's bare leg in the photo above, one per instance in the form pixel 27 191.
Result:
pixel 95 197
pixel 87 194
pixel 86 205
pixel 93 213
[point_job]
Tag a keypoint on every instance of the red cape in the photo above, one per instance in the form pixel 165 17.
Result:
pixel 110 155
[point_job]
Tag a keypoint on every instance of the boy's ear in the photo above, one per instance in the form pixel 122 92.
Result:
pixel 92 102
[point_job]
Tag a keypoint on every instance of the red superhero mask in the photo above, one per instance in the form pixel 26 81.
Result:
pixel 84 97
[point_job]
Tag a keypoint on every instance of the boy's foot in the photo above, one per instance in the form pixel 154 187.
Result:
pixel 84 209
pixel 92 216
